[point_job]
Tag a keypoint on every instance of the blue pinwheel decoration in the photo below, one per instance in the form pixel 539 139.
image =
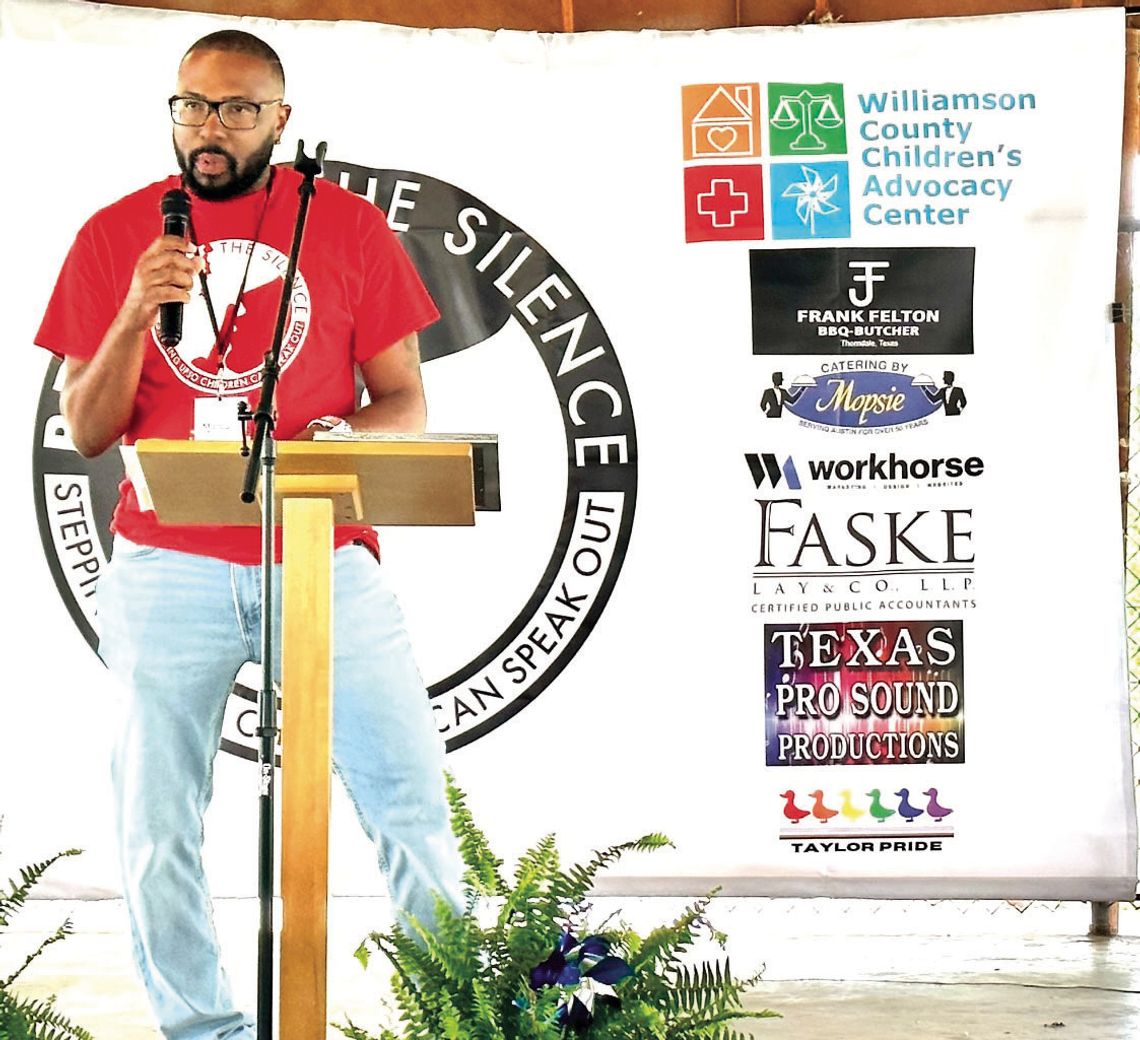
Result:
pixel 587 973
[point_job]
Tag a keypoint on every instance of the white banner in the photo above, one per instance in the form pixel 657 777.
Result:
pixel 797 345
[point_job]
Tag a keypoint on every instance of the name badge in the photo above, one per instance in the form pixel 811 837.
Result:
pixel 216 419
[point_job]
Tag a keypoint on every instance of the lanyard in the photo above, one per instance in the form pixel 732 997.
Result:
pixel 222 336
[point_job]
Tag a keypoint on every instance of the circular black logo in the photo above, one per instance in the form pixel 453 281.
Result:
pixel 490 280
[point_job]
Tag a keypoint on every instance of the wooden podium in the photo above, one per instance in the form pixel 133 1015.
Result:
pixel 371 479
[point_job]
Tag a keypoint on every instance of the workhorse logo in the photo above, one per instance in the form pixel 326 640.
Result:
pixel 518 352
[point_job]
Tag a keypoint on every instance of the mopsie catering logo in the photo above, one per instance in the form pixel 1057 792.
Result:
pixel 863 400
pixel 485 274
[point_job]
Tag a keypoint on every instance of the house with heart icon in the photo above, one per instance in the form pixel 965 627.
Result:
pixel 725 123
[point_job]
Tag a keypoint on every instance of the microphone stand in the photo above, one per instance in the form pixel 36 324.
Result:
pixel 263 462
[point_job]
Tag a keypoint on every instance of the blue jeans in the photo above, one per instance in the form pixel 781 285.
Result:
pixel 175 629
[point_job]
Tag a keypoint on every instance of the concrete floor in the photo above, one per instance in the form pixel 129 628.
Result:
pixel 842 969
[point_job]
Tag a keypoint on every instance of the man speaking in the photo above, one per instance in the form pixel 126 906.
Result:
pixel 180 606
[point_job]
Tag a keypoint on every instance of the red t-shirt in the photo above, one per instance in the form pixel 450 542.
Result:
pixel 355 294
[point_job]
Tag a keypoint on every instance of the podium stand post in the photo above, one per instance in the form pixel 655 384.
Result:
pixel 306 695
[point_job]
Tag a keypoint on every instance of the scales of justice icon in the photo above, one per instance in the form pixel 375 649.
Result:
pixel 807 111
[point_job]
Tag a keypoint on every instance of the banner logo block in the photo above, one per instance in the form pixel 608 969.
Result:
pixel 864 693
pixel 765 465
pixel 811 200
pixel 724 203
pixel 877 816
pixel 806 119
pixel 721 120
pixel 903 300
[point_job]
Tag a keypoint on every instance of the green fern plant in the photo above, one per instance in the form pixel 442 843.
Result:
pixel 25 1018
pixel 471 979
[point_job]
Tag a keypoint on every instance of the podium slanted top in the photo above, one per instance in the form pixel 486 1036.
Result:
pixel 401 479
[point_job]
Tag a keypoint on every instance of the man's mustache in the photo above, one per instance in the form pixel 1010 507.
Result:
pixel 213 150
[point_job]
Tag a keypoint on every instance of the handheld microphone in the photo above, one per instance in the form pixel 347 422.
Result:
pixel 175 208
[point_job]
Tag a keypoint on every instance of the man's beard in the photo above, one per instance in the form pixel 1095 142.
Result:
pixel 237 184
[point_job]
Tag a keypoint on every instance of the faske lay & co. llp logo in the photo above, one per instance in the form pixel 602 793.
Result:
pixel 804 547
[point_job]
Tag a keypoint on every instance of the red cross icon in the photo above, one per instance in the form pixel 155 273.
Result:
pixel 724 203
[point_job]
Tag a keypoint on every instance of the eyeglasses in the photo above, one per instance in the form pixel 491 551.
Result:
pixel 233 115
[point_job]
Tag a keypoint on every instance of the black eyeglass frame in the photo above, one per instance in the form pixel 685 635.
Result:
pixel 216 108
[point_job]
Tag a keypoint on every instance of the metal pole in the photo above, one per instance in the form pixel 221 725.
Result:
pixel 264 459
pixel 1105 919
pixel 1106 916
pixel 267 754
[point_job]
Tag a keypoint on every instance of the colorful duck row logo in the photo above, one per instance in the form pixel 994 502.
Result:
pixel 905 809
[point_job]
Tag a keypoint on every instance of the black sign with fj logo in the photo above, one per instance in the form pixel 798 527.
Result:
pixel 863 301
